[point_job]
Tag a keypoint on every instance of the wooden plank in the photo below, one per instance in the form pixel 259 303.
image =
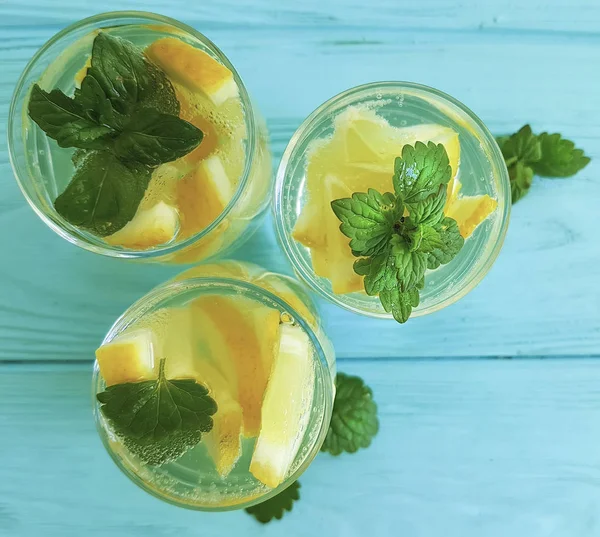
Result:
pixel 478 447
pixel 552 15
pixel 541 297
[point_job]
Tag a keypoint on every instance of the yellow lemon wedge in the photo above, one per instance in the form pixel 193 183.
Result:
pixel 202 195
pixel 127 358
pixel 248 331
pixel 149 227
pixel 285 409
pixel 185 359
pixel 470 211
pixel 194 68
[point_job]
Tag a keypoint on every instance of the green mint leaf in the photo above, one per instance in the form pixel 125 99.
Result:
pixel 452 242
pixel 104 193
pixel 521 146
pixel 120 70
pixel 521 177
pixel 420 171
pixel 93 100
pixel 431 210
pixel 153 138
pixel 399 303
pixel 559 157
pixel 425 239
pixel 367 219
pixel 65 120
pixel 378 271
pixel 354 420
pixel 276 506
pixel 410 265
pixel 159 452
pixel 152 410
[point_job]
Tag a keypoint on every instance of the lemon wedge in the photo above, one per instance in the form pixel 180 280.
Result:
pixel 248 330
pixel 285 409
pixel 127 358
pixel 149 227
pixel 185 359
pixel 470 211
pixel 194 68
pixel 202 195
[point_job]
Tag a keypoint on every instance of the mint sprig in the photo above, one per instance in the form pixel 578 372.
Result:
pixel 276 506
pixel 126 106
pixel 547 155
pixel 158 420
pixel 354 420
pixel 399 236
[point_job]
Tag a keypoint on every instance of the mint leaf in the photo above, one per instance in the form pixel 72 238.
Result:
pixel 425 239
pixel 120 70
pixel 65 120
pixel 399 303
pixel 104 193
pixel 152 138
pixel 521 177
pixel 559 157
pixel 410 265
pixel 522 146
pixel 276 506
pixel 153 409
pixel 430 210
pixel 354 420
pixel 159 452
pixel 159 94
pixel 378 271
pixel 420 171
pixel 367 220
pixel 93 100
pixel 452 241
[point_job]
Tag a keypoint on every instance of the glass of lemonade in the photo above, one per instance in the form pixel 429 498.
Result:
pixel 215 390
pixel 349 144
pixel 132 135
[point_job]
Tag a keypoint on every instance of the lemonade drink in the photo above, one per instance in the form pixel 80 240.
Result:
pixel 253 341
pixel 193 202
pixel 349 145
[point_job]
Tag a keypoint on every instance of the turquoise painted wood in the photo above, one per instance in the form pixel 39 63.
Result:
pixel 492 448
pixel 468 447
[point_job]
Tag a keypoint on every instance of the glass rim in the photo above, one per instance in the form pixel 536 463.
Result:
pixel 70 232
pixel 291 249
pixel 159 295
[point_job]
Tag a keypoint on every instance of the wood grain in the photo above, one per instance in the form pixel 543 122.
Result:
pixel 476 447
pixel 510 61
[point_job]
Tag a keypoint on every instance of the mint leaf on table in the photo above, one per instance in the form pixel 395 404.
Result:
pixel 354 420
pixel 104 193
pixel 65 120
pixel 399 236
pixel 152 138
pixel 547 155
pixel 560 157
pixel 276 506
pixel 158 419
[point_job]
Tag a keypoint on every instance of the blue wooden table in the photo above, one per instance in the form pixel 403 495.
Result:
pixel 490 409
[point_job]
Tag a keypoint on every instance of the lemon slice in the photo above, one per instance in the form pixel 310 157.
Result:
pixel 202 195
pixel 470 211
pixel 149 227
pixel 127 358
pixel 249 331
pixel 194 68
pixel 185 359
pixel 285 409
